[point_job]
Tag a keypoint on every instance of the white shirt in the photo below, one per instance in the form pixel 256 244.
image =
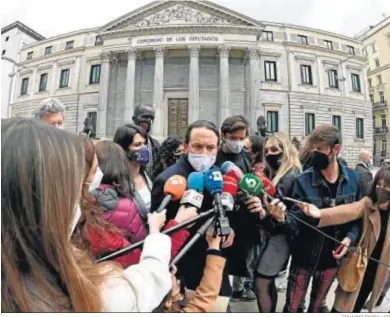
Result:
pixel 146 196
pixel 144 285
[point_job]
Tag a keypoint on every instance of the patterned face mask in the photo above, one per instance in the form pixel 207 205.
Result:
pixel 141 155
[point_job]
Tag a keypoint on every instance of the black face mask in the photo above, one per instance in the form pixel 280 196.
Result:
pixel 274 160
pixel 319 160
pixel 382 195
pixel 145 123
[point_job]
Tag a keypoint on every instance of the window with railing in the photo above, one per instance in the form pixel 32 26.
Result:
pixel 382 97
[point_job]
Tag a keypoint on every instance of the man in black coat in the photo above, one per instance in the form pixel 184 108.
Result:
pixel 201 144
pixel 363 168
pixel 243 220
pixel 144 116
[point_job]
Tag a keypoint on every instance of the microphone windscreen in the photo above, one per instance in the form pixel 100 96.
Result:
pixel 227 166
pixel 230 185
pixel 213 181
pixel 175 186
pixel 236 173
pixel 251 185
pixel 268 187
pixel 195 181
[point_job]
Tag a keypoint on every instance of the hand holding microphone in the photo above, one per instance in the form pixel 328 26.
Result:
pixel 192 199
pixel 213 240
pixel 193 196
pixel 252 187
pixel 156 221
pixel 276 209
pixel 279 214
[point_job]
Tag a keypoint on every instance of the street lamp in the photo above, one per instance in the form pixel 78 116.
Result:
pixel 12 76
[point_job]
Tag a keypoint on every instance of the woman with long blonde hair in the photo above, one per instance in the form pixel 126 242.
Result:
pixel 282 164
pixel 42 177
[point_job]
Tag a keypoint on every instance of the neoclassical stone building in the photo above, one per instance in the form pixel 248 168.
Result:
pixel 197 60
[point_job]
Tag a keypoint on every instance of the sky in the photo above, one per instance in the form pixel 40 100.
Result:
pixel 51 17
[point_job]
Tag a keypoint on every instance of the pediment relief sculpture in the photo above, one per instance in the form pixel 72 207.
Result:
pixel 180 14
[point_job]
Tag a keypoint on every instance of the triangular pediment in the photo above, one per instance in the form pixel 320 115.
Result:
pixel 171 13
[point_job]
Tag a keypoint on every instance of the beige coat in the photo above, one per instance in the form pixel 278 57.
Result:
pixel 364 208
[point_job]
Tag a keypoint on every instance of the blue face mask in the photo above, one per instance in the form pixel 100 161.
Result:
pixel 141 155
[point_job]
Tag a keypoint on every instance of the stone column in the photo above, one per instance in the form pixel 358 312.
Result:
pixel 224 84
pixel 254 85
pixel 158 92
pixel 130 84
pixel 193 86
pixel 247 71
pixel 103 95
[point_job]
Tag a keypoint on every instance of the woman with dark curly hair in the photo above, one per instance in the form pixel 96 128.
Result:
pixel 170 151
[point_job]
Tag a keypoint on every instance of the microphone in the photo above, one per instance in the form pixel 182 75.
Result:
pixel 173 189
pixel 272 192
pixel 230 169
pixel 251 185
pixel 230 188
pixel 193 196
pixel 214 184
pixel 268 187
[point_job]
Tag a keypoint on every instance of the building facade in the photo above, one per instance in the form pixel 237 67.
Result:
pixel 13 38
pixel 376 41
pixel 198 60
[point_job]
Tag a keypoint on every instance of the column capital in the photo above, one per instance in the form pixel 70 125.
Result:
pixel 115 59
pixel 252 52
pixel 194 50
pixel 106 56
pixel 160 51
pixel 223 50
pixel 131 53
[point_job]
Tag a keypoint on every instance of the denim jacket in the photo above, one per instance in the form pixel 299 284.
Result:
pixel 311 187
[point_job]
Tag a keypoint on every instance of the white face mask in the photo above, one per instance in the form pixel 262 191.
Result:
pixel 76 219
pixel 234 146
pixel 96 180
pixel 201 162
pixel 61 127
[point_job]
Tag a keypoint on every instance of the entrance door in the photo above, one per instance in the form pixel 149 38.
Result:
pixel 177 116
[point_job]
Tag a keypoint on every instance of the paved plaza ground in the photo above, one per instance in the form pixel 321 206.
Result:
pixel 251 307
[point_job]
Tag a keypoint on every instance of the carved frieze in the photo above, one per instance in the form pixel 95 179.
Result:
pixel 180 14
